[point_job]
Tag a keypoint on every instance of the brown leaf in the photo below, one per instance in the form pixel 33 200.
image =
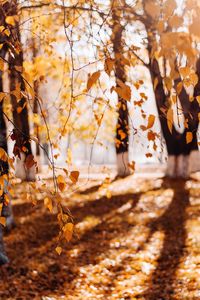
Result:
pixel 93 79
pixel 29 162
pixel 109 65
pixel 74 175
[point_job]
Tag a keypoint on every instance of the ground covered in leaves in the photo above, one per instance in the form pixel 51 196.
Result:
pixel 135 238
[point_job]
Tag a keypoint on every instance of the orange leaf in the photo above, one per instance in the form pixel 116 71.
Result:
pixel 123 90
pixel 108 66
pixel 93 79
pixel 170 119
pixel 189 137
pixel 3 221
pixel 74 175
pixel 61 183
pixel 151 120
pixel 48 203
pixel 68 231
pixel 3 155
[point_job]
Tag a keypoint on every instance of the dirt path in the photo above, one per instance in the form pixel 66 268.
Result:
pixel 135 239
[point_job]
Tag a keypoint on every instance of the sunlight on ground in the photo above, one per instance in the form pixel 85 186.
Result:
pixel 140 242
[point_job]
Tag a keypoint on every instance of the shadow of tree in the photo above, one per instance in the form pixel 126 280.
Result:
pixel 31 245
pixel 172 224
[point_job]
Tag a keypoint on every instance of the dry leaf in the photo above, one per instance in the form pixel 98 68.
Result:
pixel 61 183
pixel 93 79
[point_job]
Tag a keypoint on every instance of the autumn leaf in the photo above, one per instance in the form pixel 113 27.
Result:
pixel 74 175
pixel 93 79
pixel 151 135
pixel 194 79
pixel 123 90
pixel 48 203
pixel 122 134
pixel 151 121
pixel 29 162
pixel 19 109
pixel 3 221
pixel 10 20
pixel 170 119
pixel 61 183
pixel 68 231
pixel 189 137
pixel 109 65
pixel 3 155
pixel 58 250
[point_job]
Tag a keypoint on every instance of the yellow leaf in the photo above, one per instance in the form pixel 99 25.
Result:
pixel 58 250
pixel 185 71
pixel 194 79
pixel 68 231
pixel 170 119
pixel 93 79
pixel 189 137
pixel 2 28
pixel 179 88
pixel 7 32
pixel 122 134
pixel 61 183
pixel 2 96
pixel 3 155
pixel 123 90
pixel 3 221
pixel 151 120
pixel 74 175
pixel 10 20
pixel 1 64
pixel 48 204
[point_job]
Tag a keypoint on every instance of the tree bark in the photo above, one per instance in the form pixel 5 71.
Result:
pixel 122 128
pixel 21 132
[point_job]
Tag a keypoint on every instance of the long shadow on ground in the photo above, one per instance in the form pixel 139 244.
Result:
pixel 31 247
pixel 172 223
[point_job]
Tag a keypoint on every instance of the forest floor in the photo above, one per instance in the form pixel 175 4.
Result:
pixel 135 238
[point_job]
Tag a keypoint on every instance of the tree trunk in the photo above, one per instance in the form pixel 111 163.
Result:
pixel 3 140
pixel 122 129
pixel 21 132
